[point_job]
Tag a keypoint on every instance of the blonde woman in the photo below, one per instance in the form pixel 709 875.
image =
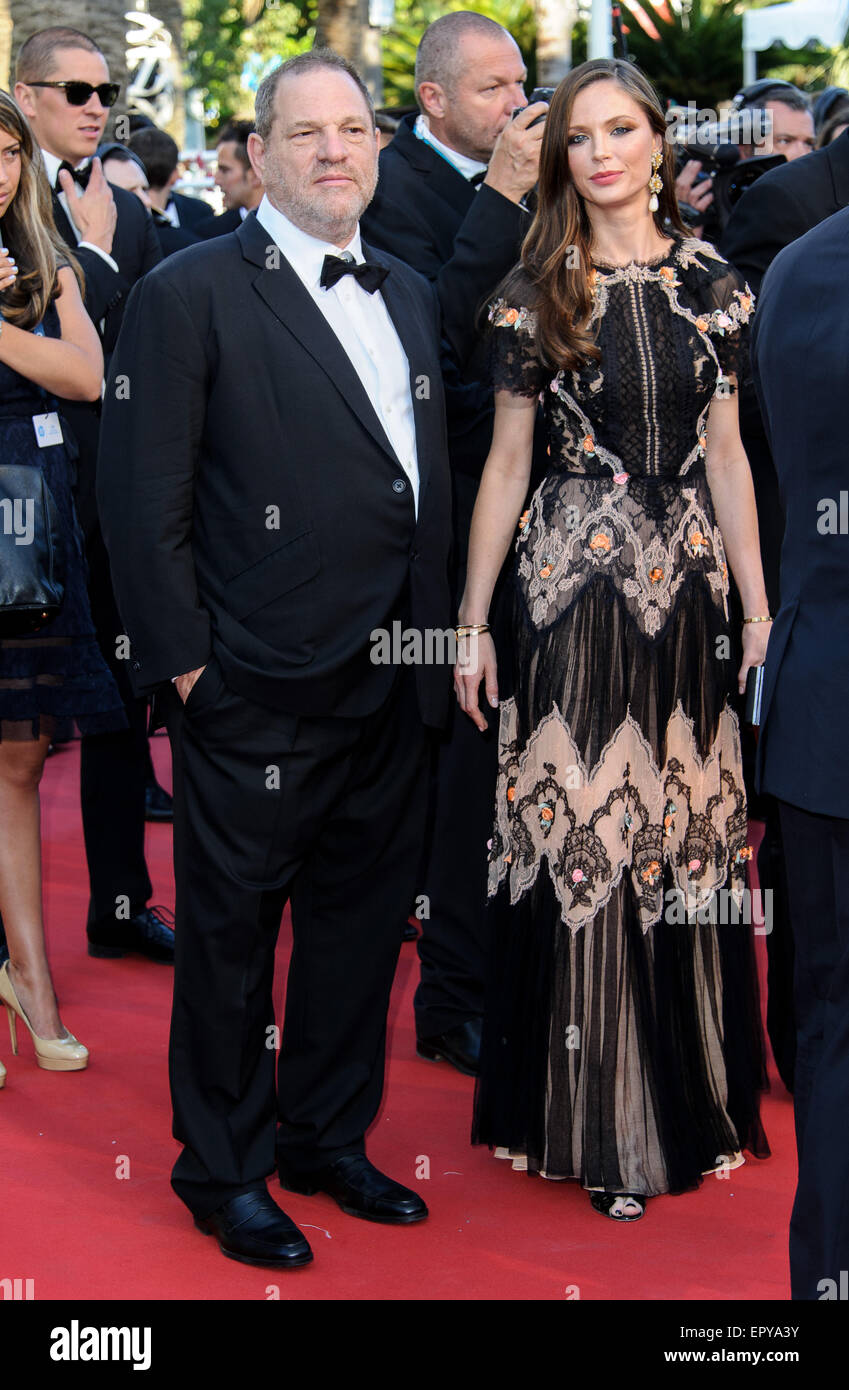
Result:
pixel 49 349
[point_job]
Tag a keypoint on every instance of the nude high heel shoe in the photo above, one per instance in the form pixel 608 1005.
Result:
pixel 53 1054
pixel 2 1076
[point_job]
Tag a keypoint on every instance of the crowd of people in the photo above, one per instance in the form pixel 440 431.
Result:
pixel 524 372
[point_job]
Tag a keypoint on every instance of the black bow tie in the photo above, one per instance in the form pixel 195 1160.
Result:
pixel 80 176
pixel 478 178
pixel 370 275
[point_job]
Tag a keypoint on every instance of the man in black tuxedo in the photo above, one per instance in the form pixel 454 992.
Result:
pixel 449 203
pixel 800 351
pixel 237 179
pixel 161 158
pixel 125 170
pixel 115 242
pixel 275 494
pixel 778 208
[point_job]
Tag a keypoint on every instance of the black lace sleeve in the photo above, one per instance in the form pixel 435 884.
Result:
pixel 514 365
pixel 730 305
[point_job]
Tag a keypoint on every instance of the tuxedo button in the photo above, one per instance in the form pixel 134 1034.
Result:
pixel 414 554
pixel 136 665
pixel 400 485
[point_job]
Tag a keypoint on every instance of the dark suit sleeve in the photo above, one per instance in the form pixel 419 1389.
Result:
pixel 485 248
pixel 135 251
pixel 151 250
pixel 765 220
pixel 104 287
pixel 153 415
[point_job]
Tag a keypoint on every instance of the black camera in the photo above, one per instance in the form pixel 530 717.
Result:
pixel 538 94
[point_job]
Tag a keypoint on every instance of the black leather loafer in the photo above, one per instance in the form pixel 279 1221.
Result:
pixel 459 1046
pixel 149 933
pixel 359 1189
pixel 251 1228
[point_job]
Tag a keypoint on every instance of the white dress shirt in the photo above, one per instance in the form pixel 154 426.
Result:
pixel 364 328
pixel 52 164
pixel 462 163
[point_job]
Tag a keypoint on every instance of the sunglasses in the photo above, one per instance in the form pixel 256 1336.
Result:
pixel 78 93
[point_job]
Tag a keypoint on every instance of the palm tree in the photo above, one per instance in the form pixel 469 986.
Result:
pixel 343 25
pixel 5 43
pixel 555 22
pixel 699 55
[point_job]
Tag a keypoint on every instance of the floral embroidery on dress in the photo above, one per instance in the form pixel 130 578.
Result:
pixel 686 818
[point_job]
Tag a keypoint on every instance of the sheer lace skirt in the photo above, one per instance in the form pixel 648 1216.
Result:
pixel 622 1041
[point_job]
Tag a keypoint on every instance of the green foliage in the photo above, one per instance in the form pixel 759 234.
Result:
pixel 227 58
pixel 412 18
pixel 699 55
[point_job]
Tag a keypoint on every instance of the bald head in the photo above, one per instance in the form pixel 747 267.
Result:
pixel 442 52
pixel 470 78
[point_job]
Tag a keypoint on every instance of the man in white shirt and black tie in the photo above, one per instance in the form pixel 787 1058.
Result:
pixel 281 498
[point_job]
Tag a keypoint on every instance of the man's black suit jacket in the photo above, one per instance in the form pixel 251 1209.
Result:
pixel 800 351
pixel 252 504
pixel 778 208
pixel 784 204
pixel 428 214
pixel 135 250
pixel 218 225
pixel 190 210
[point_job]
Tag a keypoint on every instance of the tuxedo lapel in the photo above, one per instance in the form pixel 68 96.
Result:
pixel 285 295
pixel 63 225
pixel 838 158
pixel 445 181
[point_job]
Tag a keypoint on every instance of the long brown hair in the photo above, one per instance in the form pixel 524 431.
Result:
pixel 563 299
pixel 28 230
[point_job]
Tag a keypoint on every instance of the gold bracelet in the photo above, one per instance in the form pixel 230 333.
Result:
pixel 470 629
pixel 767 619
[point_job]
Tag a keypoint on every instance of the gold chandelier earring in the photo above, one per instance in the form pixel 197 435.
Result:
pixel 655 182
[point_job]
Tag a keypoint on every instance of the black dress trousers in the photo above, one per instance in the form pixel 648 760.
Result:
pixel 113 770
pixel 818 883
pixel 328 813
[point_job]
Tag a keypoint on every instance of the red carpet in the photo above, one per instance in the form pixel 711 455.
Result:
pixel 81 1231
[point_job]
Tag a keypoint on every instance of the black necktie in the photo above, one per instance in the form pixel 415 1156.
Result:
pixel 80 176
pixel 370 275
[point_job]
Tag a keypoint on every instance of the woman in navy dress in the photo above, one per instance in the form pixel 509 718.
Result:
pixel 48 348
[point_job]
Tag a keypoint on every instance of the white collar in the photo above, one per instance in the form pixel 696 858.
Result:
pixel 304 253
pixel 462 163
pixel 53 163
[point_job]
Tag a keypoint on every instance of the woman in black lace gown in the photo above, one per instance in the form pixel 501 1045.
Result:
pixel 622 1043
pixel 48 348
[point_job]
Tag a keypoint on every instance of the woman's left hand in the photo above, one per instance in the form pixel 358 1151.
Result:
pixel 755 638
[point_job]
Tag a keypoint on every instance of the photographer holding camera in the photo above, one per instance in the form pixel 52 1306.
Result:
pixel 449 202
pixel 770 123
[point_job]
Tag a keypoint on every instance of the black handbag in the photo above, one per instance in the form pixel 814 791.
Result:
pixel 32 553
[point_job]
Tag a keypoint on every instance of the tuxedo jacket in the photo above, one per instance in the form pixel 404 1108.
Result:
pixel 784 204
pixel 190 210
pixel 780 207
pixel 135 250
pixel 171 238
pixel 251 501
pixel 218 225
pixel 800 348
